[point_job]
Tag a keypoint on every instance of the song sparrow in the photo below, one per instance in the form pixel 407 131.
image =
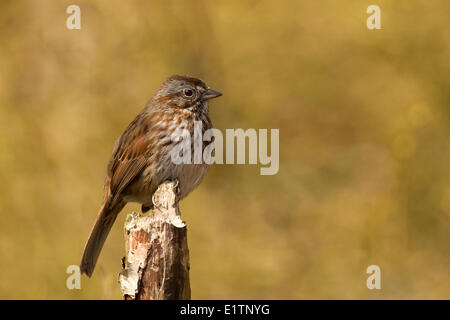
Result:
pixel 141 158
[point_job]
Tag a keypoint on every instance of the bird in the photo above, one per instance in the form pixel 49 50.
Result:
pixel 141 157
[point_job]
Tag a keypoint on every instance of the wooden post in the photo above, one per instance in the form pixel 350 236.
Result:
pixel 156 265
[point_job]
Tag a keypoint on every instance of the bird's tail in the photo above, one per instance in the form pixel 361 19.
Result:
pixel 99 233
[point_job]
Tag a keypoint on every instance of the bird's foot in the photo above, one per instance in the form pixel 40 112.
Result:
pixel 146 208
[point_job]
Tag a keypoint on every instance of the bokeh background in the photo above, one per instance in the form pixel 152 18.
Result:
pixel 364 119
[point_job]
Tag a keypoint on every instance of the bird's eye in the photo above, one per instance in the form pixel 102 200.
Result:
pixel 188 92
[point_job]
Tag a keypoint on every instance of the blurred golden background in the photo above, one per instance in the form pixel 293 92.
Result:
pixel 364 119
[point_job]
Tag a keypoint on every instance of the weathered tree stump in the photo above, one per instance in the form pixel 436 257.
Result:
pixel 156 265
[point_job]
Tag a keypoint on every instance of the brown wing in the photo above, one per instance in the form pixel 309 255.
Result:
pixel 129 156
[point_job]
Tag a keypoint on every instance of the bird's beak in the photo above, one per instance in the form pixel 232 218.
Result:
pixel 210 94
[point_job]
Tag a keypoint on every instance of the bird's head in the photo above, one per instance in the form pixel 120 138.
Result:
pixel 182 91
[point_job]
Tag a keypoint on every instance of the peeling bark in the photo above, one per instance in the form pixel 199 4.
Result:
pixel 156 265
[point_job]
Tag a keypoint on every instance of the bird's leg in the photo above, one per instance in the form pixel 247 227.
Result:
pixel 161 203
pixel 155 203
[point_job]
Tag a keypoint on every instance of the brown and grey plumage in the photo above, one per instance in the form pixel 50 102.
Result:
pixel 141 157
